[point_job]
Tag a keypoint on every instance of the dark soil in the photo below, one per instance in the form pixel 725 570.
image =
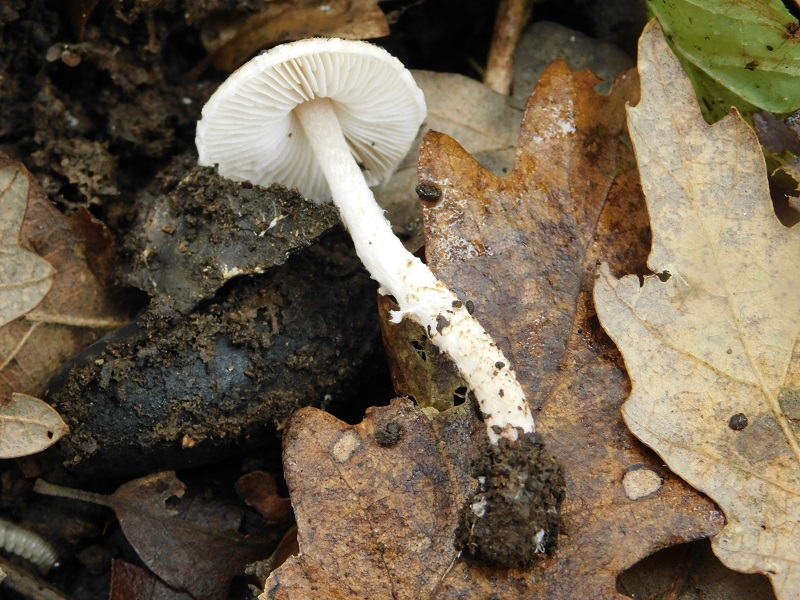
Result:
pixel 172 390
pixel 515 514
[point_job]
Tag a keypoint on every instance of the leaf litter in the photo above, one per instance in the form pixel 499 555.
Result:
pixel 712 343
pixel 26 276
pixel 523 250
pixel 55 301
pixel 188 539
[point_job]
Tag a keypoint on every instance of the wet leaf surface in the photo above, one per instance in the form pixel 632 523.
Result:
pixel 523 249
pixel 376 504
pixel 712 344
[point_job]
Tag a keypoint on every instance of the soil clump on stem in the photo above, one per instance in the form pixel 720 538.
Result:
pixel 515 514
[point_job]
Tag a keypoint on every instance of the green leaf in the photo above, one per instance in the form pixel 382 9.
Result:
pixel 737 53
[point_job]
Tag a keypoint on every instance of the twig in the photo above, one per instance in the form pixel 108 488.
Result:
pixel 512 16
pixel 70 321
pixel 29 584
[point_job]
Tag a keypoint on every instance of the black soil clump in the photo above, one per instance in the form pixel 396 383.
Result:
pixel 516 513
pixel 174 390
pixel 196 230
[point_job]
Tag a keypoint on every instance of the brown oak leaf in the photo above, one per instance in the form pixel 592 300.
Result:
pixel 377 518
pixel 523 249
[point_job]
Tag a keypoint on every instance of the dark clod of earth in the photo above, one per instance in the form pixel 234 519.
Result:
pixel 516 513
pixel 389 435
pixel 173 390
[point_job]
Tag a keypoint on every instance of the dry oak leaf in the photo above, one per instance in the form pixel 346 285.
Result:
pixel 27 426
pixel 191 543
pixel 377 506
pixel 78 306
pixel 25 277
pixel 523 249
pixel 712 349
pixel 232 40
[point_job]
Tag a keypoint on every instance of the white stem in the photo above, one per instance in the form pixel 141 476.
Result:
pixel 422 297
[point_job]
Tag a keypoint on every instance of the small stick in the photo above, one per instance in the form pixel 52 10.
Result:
pixel 28 584
pixel 512 16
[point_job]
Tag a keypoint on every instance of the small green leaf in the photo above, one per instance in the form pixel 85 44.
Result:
pixel 740 53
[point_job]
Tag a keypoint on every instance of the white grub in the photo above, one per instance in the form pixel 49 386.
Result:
pixel 28 545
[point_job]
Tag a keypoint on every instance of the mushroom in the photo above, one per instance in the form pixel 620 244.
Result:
pixel 331 117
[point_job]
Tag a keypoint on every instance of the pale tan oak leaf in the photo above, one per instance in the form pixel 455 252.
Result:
pixel 25 277
pixel 711 344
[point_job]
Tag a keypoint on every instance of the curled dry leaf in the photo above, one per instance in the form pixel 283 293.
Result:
pixel 78 307
pixel 25 277
pixel 712 344
pixel 231 41
pixel 27 426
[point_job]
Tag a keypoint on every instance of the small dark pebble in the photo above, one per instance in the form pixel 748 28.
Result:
pixel 738 422
pixel 389 435
pixel 428 192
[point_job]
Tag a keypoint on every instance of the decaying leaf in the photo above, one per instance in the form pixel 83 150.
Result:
pixel 712 344
pixel 376 504
pixel 129 582
pixel 522 249
pixel 484 122
pixel 259 490
pixel 25 277
pixel 78 306
pixel 231 41
pixel 27 426
pixel 192 546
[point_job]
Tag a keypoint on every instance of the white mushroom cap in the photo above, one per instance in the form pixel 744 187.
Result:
pixel 249 130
